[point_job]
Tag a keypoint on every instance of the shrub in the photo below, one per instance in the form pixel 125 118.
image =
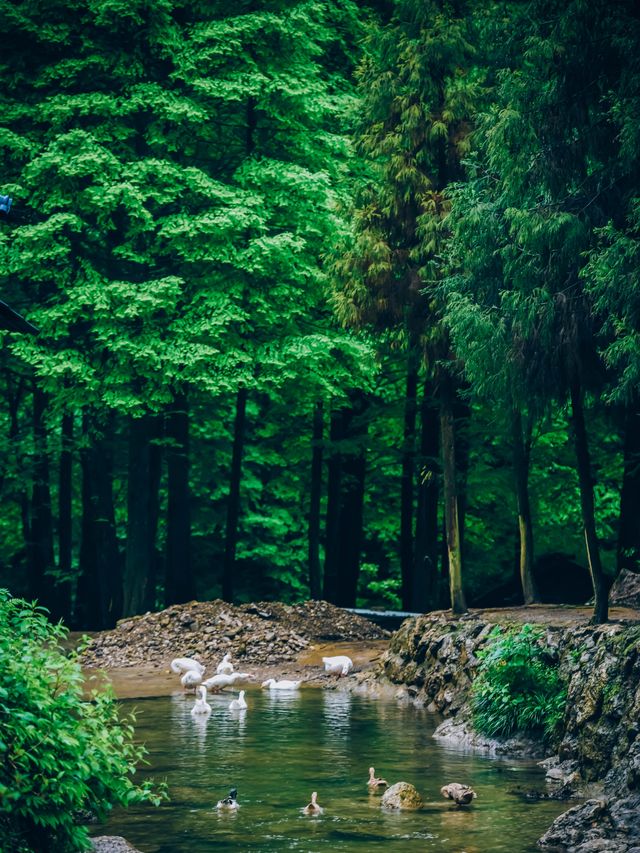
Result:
pixel 59 753
pixel 516 688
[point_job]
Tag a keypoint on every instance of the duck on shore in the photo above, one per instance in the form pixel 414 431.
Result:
pixel 180 665
pixel 217 682
pixel 338 665
pixel 225 666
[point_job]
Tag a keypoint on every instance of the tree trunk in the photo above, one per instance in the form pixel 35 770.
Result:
pixel 628 551
pixel 65 514
pixel 40 551
pixel 585 478
pixel 155 475
pixel 99 600
pixel 352 503
pixel 521 464
pixel 425 577
pixel 233 505
pixel 451 499
pixel 141 507
pixel 332 523
pixel 314 501
pixel 406 489
pixel 179 583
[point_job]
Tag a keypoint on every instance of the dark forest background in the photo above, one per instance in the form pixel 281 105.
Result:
pixel 333 299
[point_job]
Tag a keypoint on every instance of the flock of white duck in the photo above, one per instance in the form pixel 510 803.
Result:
pixel 192 676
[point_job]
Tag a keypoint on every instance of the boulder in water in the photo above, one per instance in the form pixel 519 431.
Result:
pixel 402 796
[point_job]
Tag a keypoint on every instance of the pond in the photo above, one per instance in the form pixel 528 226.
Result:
pixel 287 745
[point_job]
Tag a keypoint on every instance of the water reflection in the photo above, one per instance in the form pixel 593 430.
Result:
pixel 290 744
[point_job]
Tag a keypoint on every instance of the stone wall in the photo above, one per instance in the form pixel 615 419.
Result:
pixel 433 660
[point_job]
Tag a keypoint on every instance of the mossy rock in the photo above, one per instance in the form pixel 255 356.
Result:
pixel 402 796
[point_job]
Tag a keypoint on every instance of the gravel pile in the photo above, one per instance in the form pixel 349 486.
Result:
pixel 264 632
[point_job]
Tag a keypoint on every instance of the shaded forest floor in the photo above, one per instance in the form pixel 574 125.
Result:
pixel 269 640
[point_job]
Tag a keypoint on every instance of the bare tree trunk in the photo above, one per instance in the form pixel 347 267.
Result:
pixel 233 505
pixel 41 551
pixel 65 514
pixel 314 501
pixel 585 478
pixel 628 550
pixel 521 464
pixel 99 599
pixel 424 585
pixel 332 524
pixel 451 499
pixel 179 583
pixel 141 525
pixel 406 489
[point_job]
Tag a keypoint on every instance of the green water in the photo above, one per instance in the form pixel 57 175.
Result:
pixel 286 746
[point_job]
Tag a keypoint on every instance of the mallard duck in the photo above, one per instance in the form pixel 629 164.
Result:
pixel 217 682
pixel 338 665
pixel 229 803
pixel 238 704
pixel 375 783
pixel 191 678
pixel 460 794
pixel 225 666
pixel 284 684
pixel 201 706
pixel 313 807
pixel 179 665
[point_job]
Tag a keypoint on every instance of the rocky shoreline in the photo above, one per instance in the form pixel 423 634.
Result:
pixel 432 660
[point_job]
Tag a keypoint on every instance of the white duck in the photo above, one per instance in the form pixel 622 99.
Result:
pixel 272 684
pixel 217 682
pixel 313 807
pixel 201 706
pixel 338 665
pixel 225 666
pixel 191 678
pixel 239 704
pixel 229 803
pixel 179 665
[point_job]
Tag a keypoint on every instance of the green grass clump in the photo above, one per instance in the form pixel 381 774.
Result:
pixel 516 689
pixel 59 753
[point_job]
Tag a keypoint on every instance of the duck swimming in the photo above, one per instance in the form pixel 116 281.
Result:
pixel 374 783
pixel 313 807
pixel 238 704
pixel 201 706
pixel 462 795
pixel 272 684
pixel 229 803
pixel 338 665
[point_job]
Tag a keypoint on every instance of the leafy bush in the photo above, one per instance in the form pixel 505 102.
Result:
pixel 516 688
pixel 59 753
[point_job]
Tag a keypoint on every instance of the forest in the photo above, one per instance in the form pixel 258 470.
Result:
pixel 330 299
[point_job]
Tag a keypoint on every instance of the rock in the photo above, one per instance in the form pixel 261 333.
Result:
pixel 112 844
pixel 626 589
pixel 257 632
pixel 459 733
pixel 402 796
